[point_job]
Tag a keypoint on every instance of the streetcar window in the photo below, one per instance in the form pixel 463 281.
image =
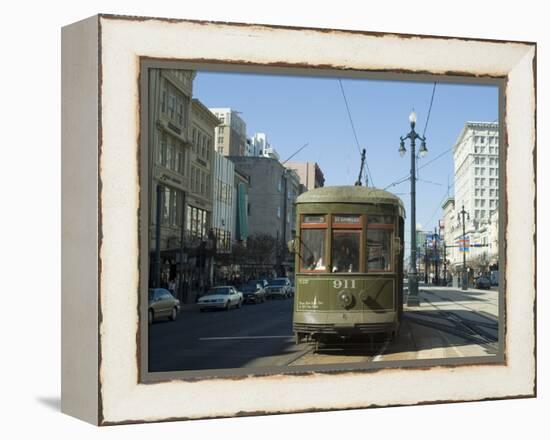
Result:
pixel 380 219
pixel 345 251
pixel 378 249
pixel 312 255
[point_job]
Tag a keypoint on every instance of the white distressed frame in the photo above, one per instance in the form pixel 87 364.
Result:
pixel 120 397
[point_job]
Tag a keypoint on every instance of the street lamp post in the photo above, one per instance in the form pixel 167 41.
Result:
pixel 463 213
pixel 413 299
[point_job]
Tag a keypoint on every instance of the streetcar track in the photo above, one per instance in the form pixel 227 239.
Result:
pixel 461 304
pixel 463 328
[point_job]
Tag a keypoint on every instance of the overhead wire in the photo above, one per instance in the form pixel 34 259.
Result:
pixel 407 177
pixel 353 129
pixel 426 126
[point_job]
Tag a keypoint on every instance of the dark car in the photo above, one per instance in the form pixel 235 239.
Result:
pixel 278 288
pixel 253 292
pixel 483 283
pixel 162 304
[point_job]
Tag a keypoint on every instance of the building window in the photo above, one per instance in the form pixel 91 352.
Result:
pixel 197 221
pixel 482 139
pixel 161 157
pixel 171 207
pixel 278 212
pixel 220 130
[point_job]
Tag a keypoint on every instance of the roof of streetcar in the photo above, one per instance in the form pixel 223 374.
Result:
pixel 349 194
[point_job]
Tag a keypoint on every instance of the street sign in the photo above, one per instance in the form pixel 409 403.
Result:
pixel 464 244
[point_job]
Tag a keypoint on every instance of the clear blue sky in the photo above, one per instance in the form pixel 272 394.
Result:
pixel 293 110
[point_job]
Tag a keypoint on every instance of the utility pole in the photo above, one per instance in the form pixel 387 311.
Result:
pixel 445 263
pixel 436 258
pixel 463 213
pixel 413 299
pixel 182 248
pixel 160 192
pixel 426 260
pixel 285 216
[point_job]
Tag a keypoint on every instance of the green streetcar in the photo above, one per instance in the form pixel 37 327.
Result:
pixel 349 262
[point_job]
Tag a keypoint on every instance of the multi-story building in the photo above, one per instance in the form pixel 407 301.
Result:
pixel 310 173
pixel 271 211
pixel 259 146
pixel 170 94
pixel 476 165
pixel 241 206
pixel 230 134
pixel 476 159
pixel 199 197
pixel 294 189
pixel 223 216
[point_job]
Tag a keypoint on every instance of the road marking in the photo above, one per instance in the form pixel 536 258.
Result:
pixel 382 351
pixel 221 338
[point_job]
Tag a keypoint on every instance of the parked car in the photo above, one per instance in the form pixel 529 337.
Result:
pixel 278 288
pixel 483 283
pixel 162 304
pixel 254 292
pixel 221 298
pixel 263 282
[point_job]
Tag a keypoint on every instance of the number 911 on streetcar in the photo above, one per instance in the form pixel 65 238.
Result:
pixel 349 262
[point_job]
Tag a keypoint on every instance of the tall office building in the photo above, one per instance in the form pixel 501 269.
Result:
pixel 310 173
pixel 231 133
pixel 476 169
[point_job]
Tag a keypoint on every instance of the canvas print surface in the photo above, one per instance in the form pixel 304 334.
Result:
pixel 298 222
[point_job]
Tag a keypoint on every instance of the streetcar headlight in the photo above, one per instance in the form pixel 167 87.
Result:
pixel 346 299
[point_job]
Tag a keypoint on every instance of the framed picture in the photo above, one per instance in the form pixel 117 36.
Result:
pixel 242 237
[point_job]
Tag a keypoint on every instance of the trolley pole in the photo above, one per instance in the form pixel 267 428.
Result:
pixel 413 299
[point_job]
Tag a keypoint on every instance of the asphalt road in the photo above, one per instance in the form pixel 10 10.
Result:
pixel 449 323
pixel 252 336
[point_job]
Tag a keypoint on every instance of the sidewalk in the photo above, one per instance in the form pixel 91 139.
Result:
pixel 478 300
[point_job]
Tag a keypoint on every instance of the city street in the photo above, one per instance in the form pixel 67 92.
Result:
pixel 449 323
pixel 252 336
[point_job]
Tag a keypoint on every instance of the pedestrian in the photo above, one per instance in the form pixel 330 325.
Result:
pixel 172 287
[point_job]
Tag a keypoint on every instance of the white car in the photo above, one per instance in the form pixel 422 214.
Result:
pixel 221 298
